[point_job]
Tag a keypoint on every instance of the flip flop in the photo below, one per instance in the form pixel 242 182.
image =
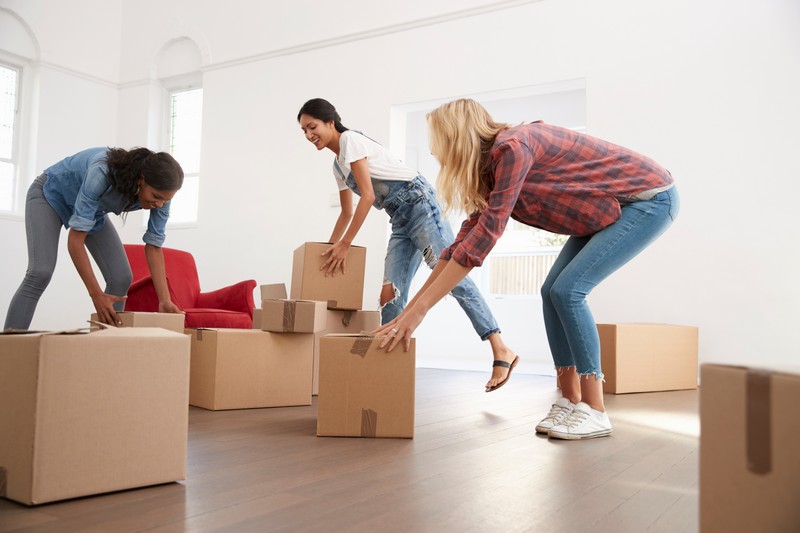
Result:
pixel 510 366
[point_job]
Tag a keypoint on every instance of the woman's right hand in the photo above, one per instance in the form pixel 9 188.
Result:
pixel 337 258
pixel 104 304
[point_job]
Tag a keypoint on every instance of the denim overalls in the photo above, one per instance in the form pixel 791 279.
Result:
pixel 419 232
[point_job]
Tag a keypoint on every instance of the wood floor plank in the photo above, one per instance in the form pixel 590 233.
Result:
pixel 475 464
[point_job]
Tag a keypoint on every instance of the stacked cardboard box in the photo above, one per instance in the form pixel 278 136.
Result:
pixel 749 437
pixel 84 414
pixel 138 319
pixel 245 368
pixel 274 291
pixel 648 357
pixel 340 291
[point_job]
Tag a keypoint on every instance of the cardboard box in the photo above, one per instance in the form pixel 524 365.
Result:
pixel 139 319
pixel 749 440
pixel 88 413
pixel 364 391
pixel 257 318
pixel 293 316
pixel 648 357
pixel 245 368
pixel 342 291
pixel 342 322
pixel 273 291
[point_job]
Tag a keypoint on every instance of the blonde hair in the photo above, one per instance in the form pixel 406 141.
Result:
pixel 461 134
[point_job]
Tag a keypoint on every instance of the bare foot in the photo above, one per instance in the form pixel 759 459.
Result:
pixel 500 373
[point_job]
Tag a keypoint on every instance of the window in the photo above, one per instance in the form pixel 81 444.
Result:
pixel 185 124
pixel 9 91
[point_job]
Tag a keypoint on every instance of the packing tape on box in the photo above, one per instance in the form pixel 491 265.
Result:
pixel 361 345
pixel 289 311
pixel 346 318
pixel 369 423
pixel 3 482
pixel 199 334
pixel 759 440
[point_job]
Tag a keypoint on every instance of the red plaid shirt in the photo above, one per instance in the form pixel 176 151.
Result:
pixel 557 180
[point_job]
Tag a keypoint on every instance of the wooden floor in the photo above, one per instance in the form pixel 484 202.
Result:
pixel 475 464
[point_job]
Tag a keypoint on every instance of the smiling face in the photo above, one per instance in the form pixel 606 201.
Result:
pixel 151 198
pixel 319 133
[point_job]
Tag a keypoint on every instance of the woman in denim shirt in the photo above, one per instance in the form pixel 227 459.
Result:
pixel 418 230
pixel 77 193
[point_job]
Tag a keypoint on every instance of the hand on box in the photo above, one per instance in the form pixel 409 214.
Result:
pixel 399 329
pixel 337 257
pixel 104 304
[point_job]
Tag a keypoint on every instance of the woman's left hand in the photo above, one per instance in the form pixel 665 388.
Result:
pixel 169 307
pixel 337 257
pixel 399 329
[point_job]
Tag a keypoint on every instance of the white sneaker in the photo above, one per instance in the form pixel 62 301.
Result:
pixel 583 423
pixel 559 412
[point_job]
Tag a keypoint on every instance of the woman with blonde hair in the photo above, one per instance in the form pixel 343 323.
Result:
pixel 611 201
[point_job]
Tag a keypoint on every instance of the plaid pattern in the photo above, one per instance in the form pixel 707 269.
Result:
pixel 557 180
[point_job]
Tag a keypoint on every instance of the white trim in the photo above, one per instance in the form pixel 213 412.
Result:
pixel 77 74
pixel 371 34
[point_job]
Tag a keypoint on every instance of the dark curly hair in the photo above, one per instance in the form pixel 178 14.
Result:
pixel 322 110
pixel 159 170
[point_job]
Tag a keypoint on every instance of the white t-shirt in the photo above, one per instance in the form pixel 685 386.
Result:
pixel 382 164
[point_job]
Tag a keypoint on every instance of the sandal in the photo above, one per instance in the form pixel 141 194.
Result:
pixel 510 366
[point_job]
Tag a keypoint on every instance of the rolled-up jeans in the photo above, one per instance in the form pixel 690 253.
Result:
pixel 43 228
pixel 419 233
pixel 586 261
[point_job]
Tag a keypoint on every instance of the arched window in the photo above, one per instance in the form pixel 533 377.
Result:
pixel 179 73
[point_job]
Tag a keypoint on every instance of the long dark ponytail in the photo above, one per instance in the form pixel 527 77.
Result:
pixel 159 170
pixel 322 110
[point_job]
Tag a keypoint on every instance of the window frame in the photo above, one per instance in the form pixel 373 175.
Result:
pixel 16 203
pixel 171 86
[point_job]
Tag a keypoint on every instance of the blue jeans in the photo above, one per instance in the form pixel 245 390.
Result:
pixel 419 232
pixel 586 261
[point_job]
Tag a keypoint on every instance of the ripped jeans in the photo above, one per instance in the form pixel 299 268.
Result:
pixel 586 261
pixel 419 232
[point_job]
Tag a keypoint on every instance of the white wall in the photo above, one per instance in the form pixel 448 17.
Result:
pixel 706 88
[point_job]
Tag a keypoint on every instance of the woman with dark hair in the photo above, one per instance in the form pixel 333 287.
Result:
pixel 78 192
pixel 419 232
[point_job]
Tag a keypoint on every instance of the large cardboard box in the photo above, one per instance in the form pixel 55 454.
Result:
pixel 87 413
pixel 337 321
pixel 342 291
pixel 138 319
pixel 293 316
pixel 648 357
pixel 749 441
pixel 245 368
pixel 364 391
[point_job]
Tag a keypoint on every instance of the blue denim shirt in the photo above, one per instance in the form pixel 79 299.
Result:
pixel 79 190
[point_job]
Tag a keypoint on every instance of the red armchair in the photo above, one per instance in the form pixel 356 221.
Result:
pixel 229 307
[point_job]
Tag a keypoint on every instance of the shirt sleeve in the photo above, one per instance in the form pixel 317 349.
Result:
pixel 87 202
pixel 156 226
pixel 511 162
pixel 353 147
